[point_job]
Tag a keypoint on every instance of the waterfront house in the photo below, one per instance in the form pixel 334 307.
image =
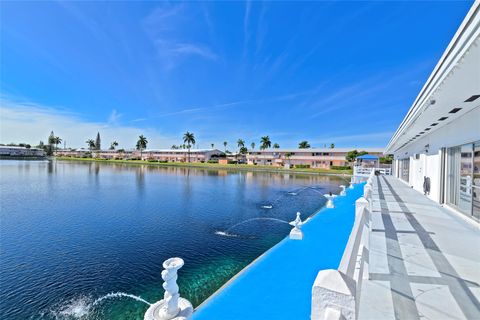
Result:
pixel 178 155
pixel 13 151
pixel 72 153
pixel 324 158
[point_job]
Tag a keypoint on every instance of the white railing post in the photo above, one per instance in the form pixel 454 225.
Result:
pixel 361 206
pixel 333 296
pixel 367 194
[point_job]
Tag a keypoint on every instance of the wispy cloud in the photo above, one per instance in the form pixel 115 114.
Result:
pixel 362 93
pixel 114 117
pixel 29 122
pixel 174 50
pixel 253 102
pixel 351 140
pixel 246 21
pixel 171 28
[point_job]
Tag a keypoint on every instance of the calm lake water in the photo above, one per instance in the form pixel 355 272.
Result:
pixel 71 233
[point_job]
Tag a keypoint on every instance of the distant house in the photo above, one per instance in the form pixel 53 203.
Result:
pixel 323 158
pixel 12 152
pixel 367 161
pixel 74 153
pixel 178 155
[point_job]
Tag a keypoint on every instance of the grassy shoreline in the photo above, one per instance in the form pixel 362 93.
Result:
pixel 244 167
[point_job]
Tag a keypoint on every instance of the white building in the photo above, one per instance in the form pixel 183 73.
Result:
pixel 439 138
pixel 11 151
pixel 179 155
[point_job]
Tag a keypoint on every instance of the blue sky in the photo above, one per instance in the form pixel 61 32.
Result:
pixel 326 72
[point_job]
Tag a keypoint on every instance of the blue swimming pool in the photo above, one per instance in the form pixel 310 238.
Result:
pixel 278 285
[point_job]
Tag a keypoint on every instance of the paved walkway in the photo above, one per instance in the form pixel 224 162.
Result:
pixel 424 261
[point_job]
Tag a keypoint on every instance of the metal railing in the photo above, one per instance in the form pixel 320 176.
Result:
pixel 360 171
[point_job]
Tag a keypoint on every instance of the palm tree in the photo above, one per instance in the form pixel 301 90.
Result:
pixel 332 145
pixel 266 143
pixel 225 145
pixel 304 145
pixel 288 155
pixel 141 144
pixel 252 145
pixel 240 143
pixel 57 141
pixel 276 146
pixel 113 145
pixel 189 139
pixel 213 145
pixel 91 144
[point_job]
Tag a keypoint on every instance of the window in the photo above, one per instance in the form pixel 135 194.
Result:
pixel 463 178
pixel 404 168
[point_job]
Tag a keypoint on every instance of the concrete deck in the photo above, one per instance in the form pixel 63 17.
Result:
pixel 424 261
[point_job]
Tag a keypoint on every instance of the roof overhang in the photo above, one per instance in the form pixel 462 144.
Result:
pixel 446 94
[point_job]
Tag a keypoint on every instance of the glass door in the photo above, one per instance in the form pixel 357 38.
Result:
pixel 466 176
pixel 453 175
pixel 476 181
pixel 463 179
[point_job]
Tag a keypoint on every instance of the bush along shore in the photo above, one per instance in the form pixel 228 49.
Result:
pixel 344 171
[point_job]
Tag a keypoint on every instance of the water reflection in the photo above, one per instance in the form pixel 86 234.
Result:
pixel 85 229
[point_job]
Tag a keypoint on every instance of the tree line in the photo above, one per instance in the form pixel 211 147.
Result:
pixel 188 142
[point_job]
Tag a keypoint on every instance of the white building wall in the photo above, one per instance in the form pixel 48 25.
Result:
pixel 465 129
pixel 432 170
pixel 462 130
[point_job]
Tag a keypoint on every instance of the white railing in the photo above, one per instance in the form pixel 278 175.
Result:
pixel 359 171
pixel 336 293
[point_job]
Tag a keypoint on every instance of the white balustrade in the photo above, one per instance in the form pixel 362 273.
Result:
pixel 335 293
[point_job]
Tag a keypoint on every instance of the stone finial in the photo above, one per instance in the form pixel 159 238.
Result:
pixel 296 233
pixel 330 197
pixel 352 182
pixel 171 306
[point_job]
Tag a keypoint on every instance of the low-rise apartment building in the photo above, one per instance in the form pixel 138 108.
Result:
pixel 179 155
pixel 12 151
pixel 168 155
pixel 73 153
pixel 323 158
